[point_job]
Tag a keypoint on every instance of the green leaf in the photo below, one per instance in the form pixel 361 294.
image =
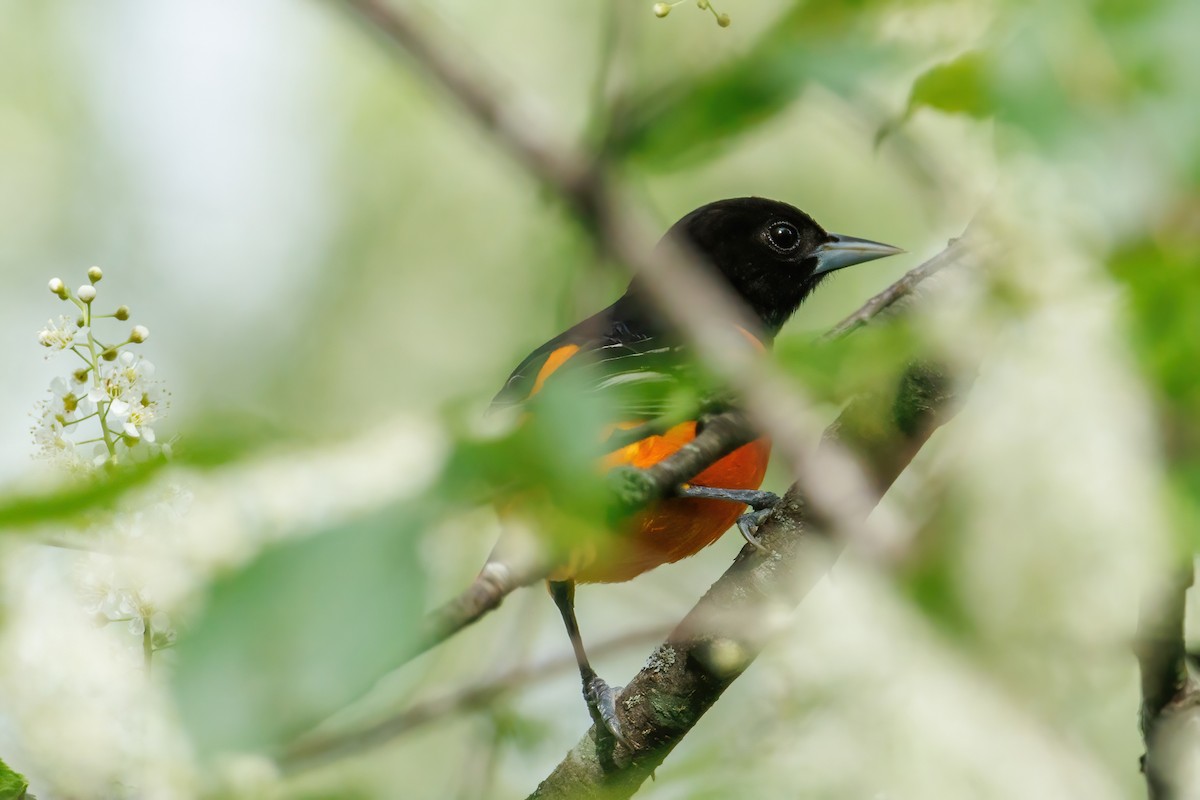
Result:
pixel 13 785
pixel 1161 296
pixel 302 631
pixel 959 86
pixel 75 497
pixel 690 119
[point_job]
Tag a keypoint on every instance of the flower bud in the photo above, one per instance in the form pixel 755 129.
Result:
pixel 80 375
pixel 661 9
pixel 110 354
pixel 95 274
pixel 80 322
pixel 702 5
pixel 139 334
pixel 723 20
pixel 122 313
pixel 86 293
pixel 59 288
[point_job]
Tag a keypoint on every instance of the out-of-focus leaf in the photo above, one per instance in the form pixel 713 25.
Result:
pixel 682 123
pixel 870 360
pixel 75 497
pixel 958 86
pixel 303 630
pixel 962 85
pixel 213 443
pixel 13 785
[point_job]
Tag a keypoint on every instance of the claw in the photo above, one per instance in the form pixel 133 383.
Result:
pixel 602 702
pixel 748 524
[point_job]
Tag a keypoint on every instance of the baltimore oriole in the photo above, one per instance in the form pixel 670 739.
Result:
pixel 771 256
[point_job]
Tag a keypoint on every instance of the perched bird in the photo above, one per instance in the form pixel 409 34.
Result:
pixel 771 256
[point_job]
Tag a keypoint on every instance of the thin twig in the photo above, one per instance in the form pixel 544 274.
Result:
pixel 498 109
pixel 312 752
pixel 954 253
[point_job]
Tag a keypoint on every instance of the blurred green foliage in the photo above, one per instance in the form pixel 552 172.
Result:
pixel 303 630
pixel 1161 276
pixel 13 786
pixel 691 120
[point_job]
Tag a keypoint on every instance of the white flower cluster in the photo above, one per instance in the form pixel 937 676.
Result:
pixel 111 403
pixel 99 416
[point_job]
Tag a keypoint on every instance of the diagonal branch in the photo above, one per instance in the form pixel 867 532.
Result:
pixel 1170 695
pixel 318 749
pixel 956 251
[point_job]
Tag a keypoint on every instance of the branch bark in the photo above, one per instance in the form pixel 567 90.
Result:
pixel 1170 714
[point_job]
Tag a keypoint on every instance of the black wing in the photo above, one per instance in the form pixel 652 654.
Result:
pixel 639 369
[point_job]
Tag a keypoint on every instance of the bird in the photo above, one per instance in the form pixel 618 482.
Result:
pixel 770 256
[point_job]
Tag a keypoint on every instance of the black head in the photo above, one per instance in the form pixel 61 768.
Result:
pixel 770 253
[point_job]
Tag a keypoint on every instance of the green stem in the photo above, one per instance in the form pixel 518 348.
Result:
pixel 147 644
pixel 94 364
pixel 69 423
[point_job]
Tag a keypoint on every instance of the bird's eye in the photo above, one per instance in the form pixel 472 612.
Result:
pixel 783 237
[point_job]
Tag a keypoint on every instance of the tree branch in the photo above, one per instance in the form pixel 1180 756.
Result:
pixel 1170 714
pixel 315 750
pixel 956 251
pixel 726 630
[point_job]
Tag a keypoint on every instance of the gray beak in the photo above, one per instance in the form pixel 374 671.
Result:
pixel 846 251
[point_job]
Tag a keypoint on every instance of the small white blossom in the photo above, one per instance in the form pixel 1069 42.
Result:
pixel 139 334
pixel 137 423
pixel 59 335
pixel 86 293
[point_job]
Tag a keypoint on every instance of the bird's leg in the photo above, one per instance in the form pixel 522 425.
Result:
pixel 762 504
pixel 601 698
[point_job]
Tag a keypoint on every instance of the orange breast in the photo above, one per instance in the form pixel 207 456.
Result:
pixel 678 527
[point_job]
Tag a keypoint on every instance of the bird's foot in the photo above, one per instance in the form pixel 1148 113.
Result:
pixel 761 504
pixel 602 703
pixel 748 525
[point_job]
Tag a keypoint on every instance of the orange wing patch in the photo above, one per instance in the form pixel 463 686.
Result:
pixel 557 358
